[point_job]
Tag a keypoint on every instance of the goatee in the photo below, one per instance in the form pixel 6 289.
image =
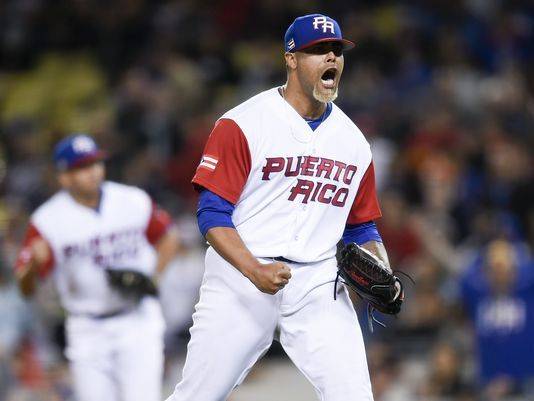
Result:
pixel 325 97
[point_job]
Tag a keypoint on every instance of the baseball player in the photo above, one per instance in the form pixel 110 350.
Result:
pixel 102 242
pixel 284 176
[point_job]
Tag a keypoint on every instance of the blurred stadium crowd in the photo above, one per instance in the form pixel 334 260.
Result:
pixel 443 90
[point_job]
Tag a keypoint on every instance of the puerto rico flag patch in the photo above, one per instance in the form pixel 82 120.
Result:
pixel 291 44
pixel 208 162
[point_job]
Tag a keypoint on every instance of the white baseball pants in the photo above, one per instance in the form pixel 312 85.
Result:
pixel 234 325
pixel 117 358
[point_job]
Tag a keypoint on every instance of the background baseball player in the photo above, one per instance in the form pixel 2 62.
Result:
pixel 283 177
pixel 102 241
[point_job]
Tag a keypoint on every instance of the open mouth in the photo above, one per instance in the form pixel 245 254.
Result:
pixel 328 77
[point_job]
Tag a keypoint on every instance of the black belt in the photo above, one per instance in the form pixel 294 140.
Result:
pixel 105 315
pixel 286 260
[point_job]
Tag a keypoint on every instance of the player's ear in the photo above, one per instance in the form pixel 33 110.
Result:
pixel 291 60
pixel 63 178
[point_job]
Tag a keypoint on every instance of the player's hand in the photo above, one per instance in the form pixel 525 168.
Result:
pixel 40 252
pixel 270 278
pixel 34 255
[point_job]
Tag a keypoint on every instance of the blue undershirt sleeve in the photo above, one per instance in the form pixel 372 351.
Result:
pixel 361 233
pixel 213 211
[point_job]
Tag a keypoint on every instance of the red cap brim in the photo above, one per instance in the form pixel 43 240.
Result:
pixel 347 44
pixel 95 157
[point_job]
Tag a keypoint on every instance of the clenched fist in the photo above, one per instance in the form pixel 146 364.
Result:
pixel 40 252
pixel 270 278
pixel 33 257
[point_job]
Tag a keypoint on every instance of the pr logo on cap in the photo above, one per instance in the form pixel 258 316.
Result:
pixel 325 24
pixel 83 144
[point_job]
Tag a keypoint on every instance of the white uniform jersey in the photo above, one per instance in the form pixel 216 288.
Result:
pixel 294 189
pixel 84 242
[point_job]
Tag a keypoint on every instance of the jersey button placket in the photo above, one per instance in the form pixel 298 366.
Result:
pixel 297 222
pixel 301 213
pixel 304 151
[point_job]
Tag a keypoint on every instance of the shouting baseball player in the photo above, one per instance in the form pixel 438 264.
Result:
pixel 102 242
pixel 284 176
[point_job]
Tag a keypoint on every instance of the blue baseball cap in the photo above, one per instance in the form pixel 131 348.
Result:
pixel 310 29
pixel 77 150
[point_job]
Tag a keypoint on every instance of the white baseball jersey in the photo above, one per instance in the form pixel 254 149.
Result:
pixel 294 189
pixel 84 242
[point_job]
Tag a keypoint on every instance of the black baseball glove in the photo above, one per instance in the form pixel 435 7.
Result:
pixel 372 281
pixel 130 283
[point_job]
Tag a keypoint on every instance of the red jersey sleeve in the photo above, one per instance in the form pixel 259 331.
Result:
pixel 365 207
pixel 158 224
pixel 32 233
pixel 226 162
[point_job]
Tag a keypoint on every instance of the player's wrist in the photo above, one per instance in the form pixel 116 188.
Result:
pixel 251 268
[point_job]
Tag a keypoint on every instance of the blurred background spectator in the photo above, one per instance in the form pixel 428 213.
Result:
pixel 498 291
pixel 444 91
